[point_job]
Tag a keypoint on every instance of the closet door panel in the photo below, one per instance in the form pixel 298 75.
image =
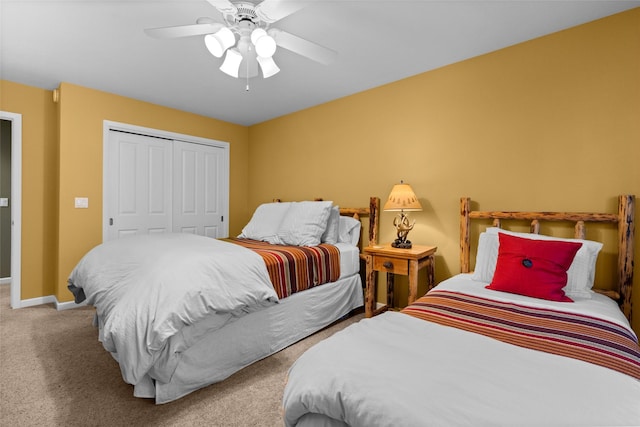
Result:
pixel 159 182
pixel 197 179
pixel 139 185
pixel 212 168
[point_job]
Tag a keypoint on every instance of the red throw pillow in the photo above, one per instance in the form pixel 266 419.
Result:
pixel 535 268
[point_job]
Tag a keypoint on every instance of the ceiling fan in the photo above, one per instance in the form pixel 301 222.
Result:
pixel 246 37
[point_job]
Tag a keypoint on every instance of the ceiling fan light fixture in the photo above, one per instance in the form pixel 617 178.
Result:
pixel 247 38
pixel 256 34
pixel 219 42
pixel 231 64
pixel 268 66
pixel 266 47
pixel 264 43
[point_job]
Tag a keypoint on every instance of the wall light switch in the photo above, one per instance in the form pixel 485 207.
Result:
pixel 4 202
pixel 82 202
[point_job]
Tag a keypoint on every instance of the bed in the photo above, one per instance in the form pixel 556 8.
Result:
pixel 483 349
pixel 179 312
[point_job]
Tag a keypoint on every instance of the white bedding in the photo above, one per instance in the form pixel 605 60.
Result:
pixel 147 288
pixel 349 259
pixel 262 333
pixel 169 342
pixel 397 370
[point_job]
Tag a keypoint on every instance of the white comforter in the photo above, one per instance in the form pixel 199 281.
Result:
pixel 397 370
pixel 147 288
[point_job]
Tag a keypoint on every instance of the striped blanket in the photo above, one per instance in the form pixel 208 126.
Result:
pixel 572 335
pixel 296 268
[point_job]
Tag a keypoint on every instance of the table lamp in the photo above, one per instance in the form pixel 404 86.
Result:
pixel 402 198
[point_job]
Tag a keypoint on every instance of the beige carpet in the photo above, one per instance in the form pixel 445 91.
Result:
pixel 54 372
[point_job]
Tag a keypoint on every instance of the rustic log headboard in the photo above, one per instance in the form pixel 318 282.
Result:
pixel 373 214
pixel 624 220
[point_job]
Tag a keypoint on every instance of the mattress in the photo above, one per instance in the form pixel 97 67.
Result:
pixel 349 259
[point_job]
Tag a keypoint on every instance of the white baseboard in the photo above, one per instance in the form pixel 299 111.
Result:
pixel 50 299
pixel 68 305
pixel 37 301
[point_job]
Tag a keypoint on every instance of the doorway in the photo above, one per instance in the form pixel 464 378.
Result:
pixel 5 197
pixel 12 129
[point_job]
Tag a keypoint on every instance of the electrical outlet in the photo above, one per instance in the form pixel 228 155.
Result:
pixel 82 202
pixel 4 202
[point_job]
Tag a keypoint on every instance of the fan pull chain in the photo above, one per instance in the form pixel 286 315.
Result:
pixel 247 87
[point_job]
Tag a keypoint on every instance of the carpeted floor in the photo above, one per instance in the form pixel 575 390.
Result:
pixel 54 372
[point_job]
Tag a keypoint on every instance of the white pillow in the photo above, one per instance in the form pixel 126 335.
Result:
pixel 349 230
pixel 581 273
pixel 265 222
pixel 486 257
pixel 330 235
pixel 304 223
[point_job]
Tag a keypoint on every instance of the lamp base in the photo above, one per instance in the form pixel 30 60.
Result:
pixel 401 244
pixel 403 227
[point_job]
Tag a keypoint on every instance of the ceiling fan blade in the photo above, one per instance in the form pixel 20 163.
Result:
pixel 183 30
pixel 224 6
pixel 273 10
pixel 303 47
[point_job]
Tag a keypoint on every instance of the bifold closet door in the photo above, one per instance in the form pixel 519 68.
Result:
pixel 139 184
pixel 197 195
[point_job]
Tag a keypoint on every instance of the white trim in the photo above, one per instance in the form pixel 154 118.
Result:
pixel 50 299
pixel 109 125
pixel 68 305
pixel 16 204
pixel 5 281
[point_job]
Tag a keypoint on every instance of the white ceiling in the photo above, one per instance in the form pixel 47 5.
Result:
pixel 100 44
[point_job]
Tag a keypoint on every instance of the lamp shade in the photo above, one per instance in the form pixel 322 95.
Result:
pixel 220 41
pixel 256 34
pixel 264 43
pixel 402 198
pixel 231 64
pixel 266 46
pixel 268 66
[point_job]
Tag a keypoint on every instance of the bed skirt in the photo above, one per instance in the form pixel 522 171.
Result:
pixel 255 336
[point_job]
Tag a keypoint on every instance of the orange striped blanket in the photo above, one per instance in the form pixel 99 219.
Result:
pixel 572 335
pixel 296 268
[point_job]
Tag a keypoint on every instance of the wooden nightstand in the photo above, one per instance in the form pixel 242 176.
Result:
pixel 390 260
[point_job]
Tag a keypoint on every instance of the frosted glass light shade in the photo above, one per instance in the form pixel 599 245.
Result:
pixel 266 46
pixel 256 34
pixel 231 64
pixel 268 66
pixel 264 43
pixel 219 42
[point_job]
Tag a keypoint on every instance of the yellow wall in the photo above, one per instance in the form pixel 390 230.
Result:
pixel 39 189
pixel 82 112
pixel 550 124
pixel 62 159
